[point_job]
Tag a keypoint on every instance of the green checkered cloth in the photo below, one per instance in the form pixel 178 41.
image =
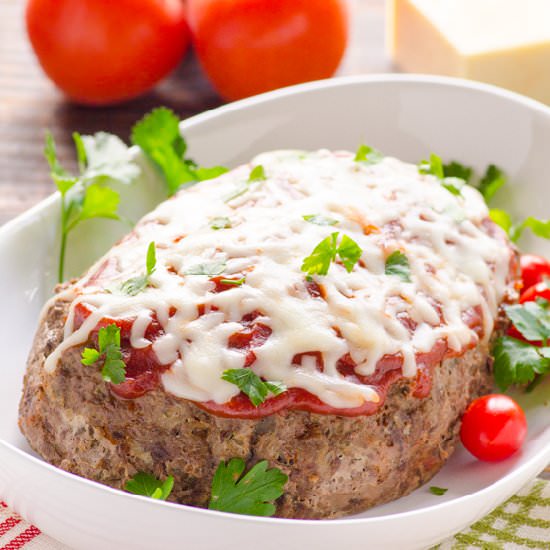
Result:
pixel 521 522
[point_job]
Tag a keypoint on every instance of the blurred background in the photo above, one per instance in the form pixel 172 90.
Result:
pixel 91 65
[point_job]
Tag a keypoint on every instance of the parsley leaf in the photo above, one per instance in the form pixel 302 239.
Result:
pixel 501 218
pixel 491 182
pixel 434 167
pixel 323 254
pixel 99 202
pixel 102 158
pixel 541 228
pixel 398 264
pixel 319 219
pixel 456 170
pixel 257 174
pixel 532 319
pixel 149 486
pixel 367 155
pixel 252 385
pixel 439 491
pixel 349 252
pixel 518 362
pixel 252 494
pixel 453 185
pixel 90 356
pixel 157 134
pixel 318 262
pixel 211 269
pixel 114 368
pixel 220 223
pixel 138 284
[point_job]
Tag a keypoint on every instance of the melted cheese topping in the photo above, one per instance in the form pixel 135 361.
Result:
pixel 455 266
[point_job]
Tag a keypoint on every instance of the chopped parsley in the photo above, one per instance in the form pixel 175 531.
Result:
pixel 220 223
pixel 102 159
pixel 109 353
pixel 517 362
pixel 252 493
pixel 158 136
pixel 256 174
pixel 439 491
pixel 319 219
pixel 436 168
pixel 397 264
pixel 211 269
pixel 135 285
pixel 149 486
pixel 252 385
pixel 367 155
pixel 234 282
pixel 318 262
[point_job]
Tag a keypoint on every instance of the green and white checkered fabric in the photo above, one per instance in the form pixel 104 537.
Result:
pixel 521 522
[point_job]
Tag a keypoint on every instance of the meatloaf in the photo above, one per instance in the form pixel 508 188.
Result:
pixel 368 291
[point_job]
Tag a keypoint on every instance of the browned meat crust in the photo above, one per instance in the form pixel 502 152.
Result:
pixel 336 465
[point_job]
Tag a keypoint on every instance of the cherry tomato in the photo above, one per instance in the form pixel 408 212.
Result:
pixel 493 427
pixel 540 290
pixel 252 46
pixel 533 269
pixel 105 51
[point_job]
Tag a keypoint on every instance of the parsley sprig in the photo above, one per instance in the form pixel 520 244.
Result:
pixel 158 135
pixel 318 262
pixel 252 493
pixel 109 353
pixel 518 362
pixel 102 159
pixel 436 168
pixel 252 385
pixel 138 284
pixel 149 486
pixel 488 185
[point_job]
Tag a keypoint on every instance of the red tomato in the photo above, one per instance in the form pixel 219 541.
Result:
pixel 540 290
pixel 533 269
pixel 252 46
pixel 105 51
pixel 493 427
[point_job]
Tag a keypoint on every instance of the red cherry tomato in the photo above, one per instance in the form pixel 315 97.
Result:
pixel 252 46
pixel 493 427
pixel 540 290
pixel 533 269
pixel 105 51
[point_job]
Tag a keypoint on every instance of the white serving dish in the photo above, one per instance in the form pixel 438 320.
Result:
pixel 404 116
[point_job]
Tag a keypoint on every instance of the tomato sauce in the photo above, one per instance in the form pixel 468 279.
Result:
pixel 143 372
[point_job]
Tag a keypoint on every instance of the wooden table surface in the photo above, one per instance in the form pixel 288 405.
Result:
pixel 29 103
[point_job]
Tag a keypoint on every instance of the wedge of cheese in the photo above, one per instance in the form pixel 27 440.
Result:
pixel 502 42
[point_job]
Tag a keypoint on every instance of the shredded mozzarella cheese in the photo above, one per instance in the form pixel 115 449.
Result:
pixel 455 264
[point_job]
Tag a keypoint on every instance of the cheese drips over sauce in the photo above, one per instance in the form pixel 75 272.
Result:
pixel 459 262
